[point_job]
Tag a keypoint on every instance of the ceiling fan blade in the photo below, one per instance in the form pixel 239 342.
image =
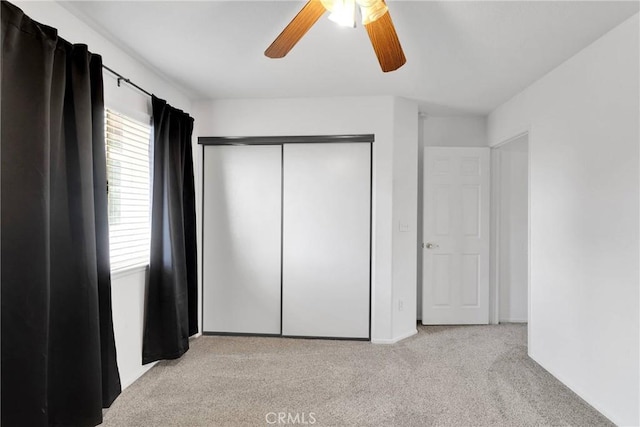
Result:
pixel 303 21
pixel 385 43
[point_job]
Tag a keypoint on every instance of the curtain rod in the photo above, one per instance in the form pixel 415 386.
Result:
pixel 122 78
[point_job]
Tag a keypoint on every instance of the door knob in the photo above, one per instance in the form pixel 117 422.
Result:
pixel 431 246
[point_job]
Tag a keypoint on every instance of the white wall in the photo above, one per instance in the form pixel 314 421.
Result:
pixel 455 131
pixel 348 115
pixel 512 195
pixel 127 289
pixel 128 296
pixel 405 216
pixel 584 183
pixel 449 131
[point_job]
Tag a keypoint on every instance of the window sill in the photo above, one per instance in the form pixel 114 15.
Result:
pixel 135 269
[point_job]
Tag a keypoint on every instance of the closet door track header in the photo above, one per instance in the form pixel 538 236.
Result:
pixel 278 140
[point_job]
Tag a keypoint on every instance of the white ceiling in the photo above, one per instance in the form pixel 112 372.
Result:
pixel 462 57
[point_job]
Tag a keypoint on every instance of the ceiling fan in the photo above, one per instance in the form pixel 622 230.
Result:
pixel 375 18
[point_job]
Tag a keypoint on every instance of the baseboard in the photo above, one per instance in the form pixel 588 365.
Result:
pixel 143 370
pixel 513 320
pixel 394 340
pixel 581 393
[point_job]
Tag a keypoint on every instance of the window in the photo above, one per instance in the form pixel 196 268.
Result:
pixel 127 144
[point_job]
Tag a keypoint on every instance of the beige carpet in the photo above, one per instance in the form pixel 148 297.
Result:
pixel 444 376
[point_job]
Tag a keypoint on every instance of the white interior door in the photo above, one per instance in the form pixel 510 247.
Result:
pixel 242 239
pixel 456 236
pixel 326 240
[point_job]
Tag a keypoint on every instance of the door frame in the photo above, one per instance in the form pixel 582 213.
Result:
pixel 282 140
pixel 494 283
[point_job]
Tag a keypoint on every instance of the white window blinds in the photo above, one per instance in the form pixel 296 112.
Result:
pixel 127 142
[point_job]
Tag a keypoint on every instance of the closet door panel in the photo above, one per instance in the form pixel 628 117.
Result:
pixel 326 240
pixel 242 239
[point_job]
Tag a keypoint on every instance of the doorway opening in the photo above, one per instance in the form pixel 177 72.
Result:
pixel 510 242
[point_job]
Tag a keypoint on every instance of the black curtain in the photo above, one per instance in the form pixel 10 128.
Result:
pixel 171 314
pixel 58 351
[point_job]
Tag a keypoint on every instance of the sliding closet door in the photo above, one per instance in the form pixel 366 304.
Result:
pixel 326 240
pixel 242 239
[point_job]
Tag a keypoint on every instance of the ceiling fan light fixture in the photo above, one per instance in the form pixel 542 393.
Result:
pixel 342 12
